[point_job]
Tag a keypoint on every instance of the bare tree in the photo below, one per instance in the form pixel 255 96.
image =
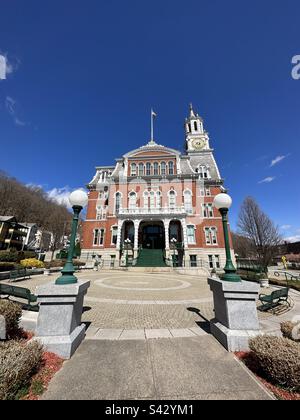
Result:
pixel 243 246
pixel 31 204
pixel 255 225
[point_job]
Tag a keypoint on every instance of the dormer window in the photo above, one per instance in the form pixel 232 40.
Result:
pixel 204 172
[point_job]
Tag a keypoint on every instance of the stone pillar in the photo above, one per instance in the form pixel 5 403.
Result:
pixel 185 241
pixel 59 326
pixel 235 313
pixel 120 224
pixel 167 239
pixel 136 235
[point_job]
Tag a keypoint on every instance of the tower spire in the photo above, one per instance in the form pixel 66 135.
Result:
pixel 192 113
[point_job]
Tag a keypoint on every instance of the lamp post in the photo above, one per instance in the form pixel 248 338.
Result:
pixel 173 246
pixel 223 203
pixel 127 244
pixel 78 200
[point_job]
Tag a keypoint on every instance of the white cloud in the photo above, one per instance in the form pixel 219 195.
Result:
pixel 277 160
pixel 60 195
pixel 7 66
pixel 267 180
pixel 295 238
pixel 11 106
pixel 285 227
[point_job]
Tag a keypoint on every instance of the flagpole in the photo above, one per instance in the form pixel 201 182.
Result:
pixel 152 129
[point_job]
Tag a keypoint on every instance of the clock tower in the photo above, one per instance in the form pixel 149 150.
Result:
pixel 196 137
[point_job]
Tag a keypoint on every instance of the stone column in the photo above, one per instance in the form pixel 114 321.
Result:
pixel 136 236
pixel 235 313
pixel 185 241
pixel 167 238
pixel 120 224
pixel 59 326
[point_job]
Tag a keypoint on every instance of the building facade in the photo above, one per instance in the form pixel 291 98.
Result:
pixel 154 206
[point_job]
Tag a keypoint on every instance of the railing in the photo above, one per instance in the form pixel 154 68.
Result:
pixel 152 211
pixel 288 276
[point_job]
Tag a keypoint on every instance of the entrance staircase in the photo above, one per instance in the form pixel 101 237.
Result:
pixel 151 258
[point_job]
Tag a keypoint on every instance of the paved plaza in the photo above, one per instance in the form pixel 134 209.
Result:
pixel 134 305
pixel 148 338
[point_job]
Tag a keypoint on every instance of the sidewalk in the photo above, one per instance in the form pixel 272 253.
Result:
pixel 177 368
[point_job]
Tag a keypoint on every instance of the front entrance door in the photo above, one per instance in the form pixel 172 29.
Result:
pixel 153 236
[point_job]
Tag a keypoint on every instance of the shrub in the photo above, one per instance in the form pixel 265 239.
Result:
pixel 8 266
pixel 278 360
pixel 12 313
pixel 32 262
pixel 287 329
pixel 18 362
pixel 9 256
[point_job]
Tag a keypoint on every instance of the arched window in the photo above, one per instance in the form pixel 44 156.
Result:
pixel 188 201
pixel 155 168
pixel 133 169
pixel 158 199
pixel 163 168
pixel 148 168
pixel 195 126
pixel 152 199
pixel 132 201
pixel 141 169
pixel 171 168
pixel 118 202
pixel 172 200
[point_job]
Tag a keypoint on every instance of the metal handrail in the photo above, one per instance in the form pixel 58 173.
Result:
pixel 286 273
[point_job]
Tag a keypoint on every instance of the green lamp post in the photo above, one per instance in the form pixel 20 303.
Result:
pixel 223 203
pixel 78 200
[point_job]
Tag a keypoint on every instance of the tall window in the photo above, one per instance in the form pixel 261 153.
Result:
pixel 132 200
pixel 114 234
pixel 195 126
pixel 101 214
pixel 191 234
pixel 141 169
pixel 155 168
pixel 98 237
pixel 188 202
pixel 158 199
pixel 171 168
pixel 152 199
pixel 148 168
pixel 211 236
pixel 133 169
pixel 207 210
pixel 163 168
pixel 172 200
pixel 118 202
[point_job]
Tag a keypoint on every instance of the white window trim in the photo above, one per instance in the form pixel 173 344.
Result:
pixel 210 228
pixel 195 228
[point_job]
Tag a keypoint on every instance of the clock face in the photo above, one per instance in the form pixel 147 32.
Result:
pixel 198 144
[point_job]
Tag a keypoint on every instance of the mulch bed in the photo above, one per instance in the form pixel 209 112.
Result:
pixel 280 393
pixel 51 364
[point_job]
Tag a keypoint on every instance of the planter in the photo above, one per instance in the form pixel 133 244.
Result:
pixel 264 282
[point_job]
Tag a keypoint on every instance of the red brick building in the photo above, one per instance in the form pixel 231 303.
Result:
pixel 154 206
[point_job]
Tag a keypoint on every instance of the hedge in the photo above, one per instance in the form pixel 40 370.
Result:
pixel 278 359
pixel 12 313
pixel 18 362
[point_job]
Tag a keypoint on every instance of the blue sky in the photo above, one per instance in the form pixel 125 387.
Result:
pixel 83 76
